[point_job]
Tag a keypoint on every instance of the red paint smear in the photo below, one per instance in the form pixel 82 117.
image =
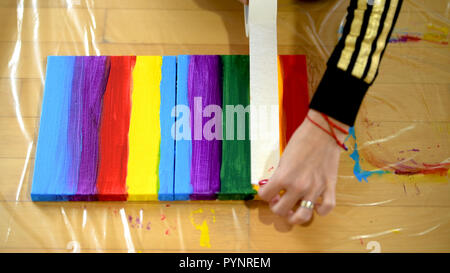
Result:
pixel 263 182
pixel 115 122
pixel 167 232
pixel 295 96
pixel 163 217
pixel 438 165
pixel 405 38
pixel 410 38
pixel 440 169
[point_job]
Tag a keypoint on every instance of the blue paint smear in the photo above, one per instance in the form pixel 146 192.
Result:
pixel 52 159
pixel 183 147
pixel 167 145
pixel 360 173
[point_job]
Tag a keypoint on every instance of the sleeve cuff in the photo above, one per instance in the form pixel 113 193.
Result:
pixel 339 95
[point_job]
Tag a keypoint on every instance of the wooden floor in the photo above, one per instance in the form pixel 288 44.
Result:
pixel 405 116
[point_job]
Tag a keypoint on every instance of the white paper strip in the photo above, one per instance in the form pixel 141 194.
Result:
pixel 264 123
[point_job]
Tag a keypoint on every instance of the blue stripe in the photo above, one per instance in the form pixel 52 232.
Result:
pixel 167 146
pixel 183 150
pixel 51 164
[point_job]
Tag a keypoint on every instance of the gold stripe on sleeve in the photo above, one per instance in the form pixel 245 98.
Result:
pixel 381 42
pixel 369 37
pixel 350 40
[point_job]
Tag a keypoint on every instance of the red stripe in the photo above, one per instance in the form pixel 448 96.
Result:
pixel 115 122
pixel 295 93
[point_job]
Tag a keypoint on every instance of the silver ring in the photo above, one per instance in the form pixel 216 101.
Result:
pixel 307 204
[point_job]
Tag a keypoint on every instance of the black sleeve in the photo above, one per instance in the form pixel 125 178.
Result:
pixel 353 65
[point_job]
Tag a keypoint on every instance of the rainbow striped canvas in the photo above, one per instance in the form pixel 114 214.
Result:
pixel 153 127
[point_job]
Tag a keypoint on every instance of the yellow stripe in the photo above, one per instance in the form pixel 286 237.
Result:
pixel 381 42
pixel 371 33
pixel 144 134
pixel 350 40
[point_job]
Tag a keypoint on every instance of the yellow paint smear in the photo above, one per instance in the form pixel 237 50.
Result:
pixel 204 229
pixel 144 133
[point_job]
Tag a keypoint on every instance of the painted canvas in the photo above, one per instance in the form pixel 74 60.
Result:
pixel 143 128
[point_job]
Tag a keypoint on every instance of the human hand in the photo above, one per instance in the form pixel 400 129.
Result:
pixel 307 170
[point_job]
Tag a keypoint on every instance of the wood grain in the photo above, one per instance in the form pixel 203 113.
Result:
pixel 401 213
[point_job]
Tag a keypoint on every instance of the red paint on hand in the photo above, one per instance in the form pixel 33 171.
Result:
pixel 263 182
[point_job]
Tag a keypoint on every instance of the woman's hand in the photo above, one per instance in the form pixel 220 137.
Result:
pixel 307 170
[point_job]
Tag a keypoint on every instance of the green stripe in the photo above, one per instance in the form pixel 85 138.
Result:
pixel 235 168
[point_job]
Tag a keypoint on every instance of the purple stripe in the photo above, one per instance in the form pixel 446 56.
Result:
pixel 93 84
pixel 74 126
pixel 205 82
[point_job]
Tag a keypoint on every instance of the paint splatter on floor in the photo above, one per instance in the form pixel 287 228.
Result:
pixel 433 34
pixel 203 228
pixel 357 170
pixel 399 168
pixel 136 222
pixel 441 169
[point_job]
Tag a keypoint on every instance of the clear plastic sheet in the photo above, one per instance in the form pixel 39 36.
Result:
pixel 402 131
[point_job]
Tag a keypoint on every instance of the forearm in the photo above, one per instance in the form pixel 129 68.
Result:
pixel 353 65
